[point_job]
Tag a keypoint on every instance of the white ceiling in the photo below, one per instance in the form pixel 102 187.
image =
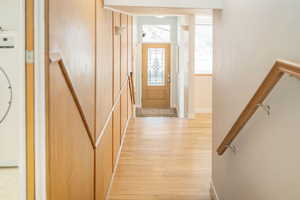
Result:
pixel 195 4
pixel 144 11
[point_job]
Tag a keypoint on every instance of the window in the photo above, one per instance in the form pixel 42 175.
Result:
pixel 204 45
pixel 156 33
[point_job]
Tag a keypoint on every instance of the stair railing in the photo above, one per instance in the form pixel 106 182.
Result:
pixel 131 88
pixel 280 68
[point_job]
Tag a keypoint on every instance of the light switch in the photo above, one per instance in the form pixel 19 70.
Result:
pixel 7 41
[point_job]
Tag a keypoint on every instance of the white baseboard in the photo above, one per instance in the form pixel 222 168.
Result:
pixel 203 110
pixel 138 105
pixel 191 115
pixel 213 192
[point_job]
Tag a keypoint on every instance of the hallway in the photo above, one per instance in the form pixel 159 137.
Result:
pixel 165 159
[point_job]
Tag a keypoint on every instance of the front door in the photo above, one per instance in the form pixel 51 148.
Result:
pixel 156 76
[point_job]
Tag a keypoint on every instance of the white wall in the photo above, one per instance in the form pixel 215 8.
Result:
pixel 249 36
pixel 150 20
pixel 195 92
pixel 183 45
pixel 203 94
pixel 168 3
pixel 12 131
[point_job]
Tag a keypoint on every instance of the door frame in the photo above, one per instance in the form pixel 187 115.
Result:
pixel 168 64
pixel 36 104
pixel 30 100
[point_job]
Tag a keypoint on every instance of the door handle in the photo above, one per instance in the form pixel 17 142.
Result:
pixel 169 79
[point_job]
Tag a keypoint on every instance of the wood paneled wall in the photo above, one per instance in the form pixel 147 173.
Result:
pixel 124 71
pixel 89 82
pixel 104 67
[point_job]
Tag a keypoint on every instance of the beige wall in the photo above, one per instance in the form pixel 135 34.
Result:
pixel 249 36
pixel 203 94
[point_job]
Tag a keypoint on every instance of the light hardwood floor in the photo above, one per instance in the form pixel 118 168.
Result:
pixel 165 159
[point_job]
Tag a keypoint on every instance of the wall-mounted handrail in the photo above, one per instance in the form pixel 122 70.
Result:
pixel 280 68
pixel 131 87
pixel 117 102
pixel 56 58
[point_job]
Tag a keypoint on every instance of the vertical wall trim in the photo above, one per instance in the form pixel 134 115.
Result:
pixel 30 102
pixel 40 99
pixel 191 83
pixel 95 89
pixel 113 85
pixel 47 96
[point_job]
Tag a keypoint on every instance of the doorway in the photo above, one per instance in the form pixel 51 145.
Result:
pixel 156 76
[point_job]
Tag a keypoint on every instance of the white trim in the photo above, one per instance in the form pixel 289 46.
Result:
pixel 23 150
pixel 203 110
pixel 191 67
pixel 172 78
pixel 213 192
pixel 40 99
pixel 191 116
pixel 117 10
pixel 138 78
pixel 211 4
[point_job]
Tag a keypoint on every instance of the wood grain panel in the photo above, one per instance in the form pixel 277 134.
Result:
pixel 129 107
pixel 104 165
pixel 104 67
pixel 124 48
pixel 70 153
pixel 130 40
pixel 97 60
pixel 124 109
pixel 72 34
pixel 117 56
pixel 130 60
pixel 116 132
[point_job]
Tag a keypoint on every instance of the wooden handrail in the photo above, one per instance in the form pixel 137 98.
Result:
pixel 56 58
pixel 280 68
pixel 131 87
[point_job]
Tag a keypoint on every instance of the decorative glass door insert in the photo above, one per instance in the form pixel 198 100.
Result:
pixel 156 67
pixel 156 75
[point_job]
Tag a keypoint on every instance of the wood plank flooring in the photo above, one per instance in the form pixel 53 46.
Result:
pixel 165 159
